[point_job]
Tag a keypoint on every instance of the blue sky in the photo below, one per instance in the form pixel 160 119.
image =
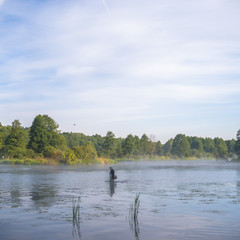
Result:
pixel 159 67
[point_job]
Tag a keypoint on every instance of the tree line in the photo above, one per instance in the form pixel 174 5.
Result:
pixel 44 141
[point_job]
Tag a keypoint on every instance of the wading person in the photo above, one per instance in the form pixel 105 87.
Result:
pixel 111 174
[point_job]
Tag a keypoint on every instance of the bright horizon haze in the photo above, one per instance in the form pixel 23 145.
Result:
pixel 159 67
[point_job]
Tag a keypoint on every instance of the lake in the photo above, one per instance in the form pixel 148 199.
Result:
pixel 178 200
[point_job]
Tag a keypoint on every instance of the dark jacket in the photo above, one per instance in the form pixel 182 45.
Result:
pixel 112 173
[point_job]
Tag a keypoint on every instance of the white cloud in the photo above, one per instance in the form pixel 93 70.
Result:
pixel 128 62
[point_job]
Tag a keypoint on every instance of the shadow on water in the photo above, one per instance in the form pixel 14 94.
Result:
pixel 15 198
pixel 133 217
pixel 112 186
pixel 76 231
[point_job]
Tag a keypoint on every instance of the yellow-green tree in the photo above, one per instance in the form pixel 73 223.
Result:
pixel 86 153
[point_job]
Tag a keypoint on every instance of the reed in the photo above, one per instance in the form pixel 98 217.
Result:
pixel 133 215
pixel 75 209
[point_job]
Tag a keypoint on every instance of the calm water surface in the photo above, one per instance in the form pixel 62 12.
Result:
pixel 178 200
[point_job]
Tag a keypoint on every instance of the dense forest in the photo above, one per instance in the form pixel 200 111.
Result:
pixel 43 143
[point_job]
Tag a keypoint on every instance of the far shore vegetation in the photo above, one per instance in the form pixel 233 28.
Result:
pixel 43 143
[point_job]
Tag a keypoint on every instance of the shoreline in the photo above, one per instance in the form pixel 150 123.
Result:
pixel 43 161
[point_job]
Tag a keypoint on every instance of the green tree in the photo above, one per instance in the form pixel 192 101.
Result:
pixel 128 145
pixel 237 144
pixel 167 147
pixel 44 133
pixel 109 144
pixel 119 149
pixel 221 148
pixel 231 147
pixel 196 143
pixel 16 141
pixel 1 136
pixel 74 139
pixel 209 146
pixel 90 152
pixel 145 147
pixel 97 141
pixel 159 148
pixel 152 144
pixel 181 146
pixel 137 146
pixel 196 146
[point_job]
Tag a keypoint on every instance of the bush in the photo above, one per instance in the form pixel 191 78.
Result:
pixel 30 153
pixel 86 153
pixel 51 152
pixel 70 157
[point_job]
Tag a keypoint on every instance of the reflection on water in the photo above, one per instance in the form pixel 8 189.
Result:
pixel 112 185
pixel 43 195
pixel 133 216
pixel 76 231
pixel 179 200
pixel 15 197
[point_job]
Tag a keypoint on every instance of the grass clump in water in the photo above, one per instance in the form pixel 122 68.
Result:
pixel 76 209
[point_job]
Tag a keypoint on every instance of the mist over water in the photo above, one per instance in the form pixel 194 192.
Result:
pixel 178 200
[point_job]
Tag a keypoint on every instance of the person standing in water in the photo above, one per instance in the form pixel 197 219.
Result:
pixel 111 173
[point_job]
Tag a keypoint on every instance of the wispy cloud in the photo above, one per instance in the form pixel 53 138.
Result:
pixel 142 63
pixel 105 5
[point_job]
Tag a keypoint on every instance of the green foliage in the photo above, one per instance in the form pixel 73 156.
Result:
pixel 44 142
pixel 231 147
pixel 44 133
pixel 144 145
pixel 1 137
pixel 128 145
pixel 167 147
pixel 70 157
pixel 78 139
pixel 237 144
pixel 29 153
pixel 152 145
pixel 87 153
pixel 38 135
pixel 119 149
pixel 109 144
pixel 15 143
pixel 74 139
pixel 90 152
pixel 209 146
pixel 51 152
pixel 159 148
pixel 196 143
pixel 221 147
pixel 4 132
pixel 181 146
